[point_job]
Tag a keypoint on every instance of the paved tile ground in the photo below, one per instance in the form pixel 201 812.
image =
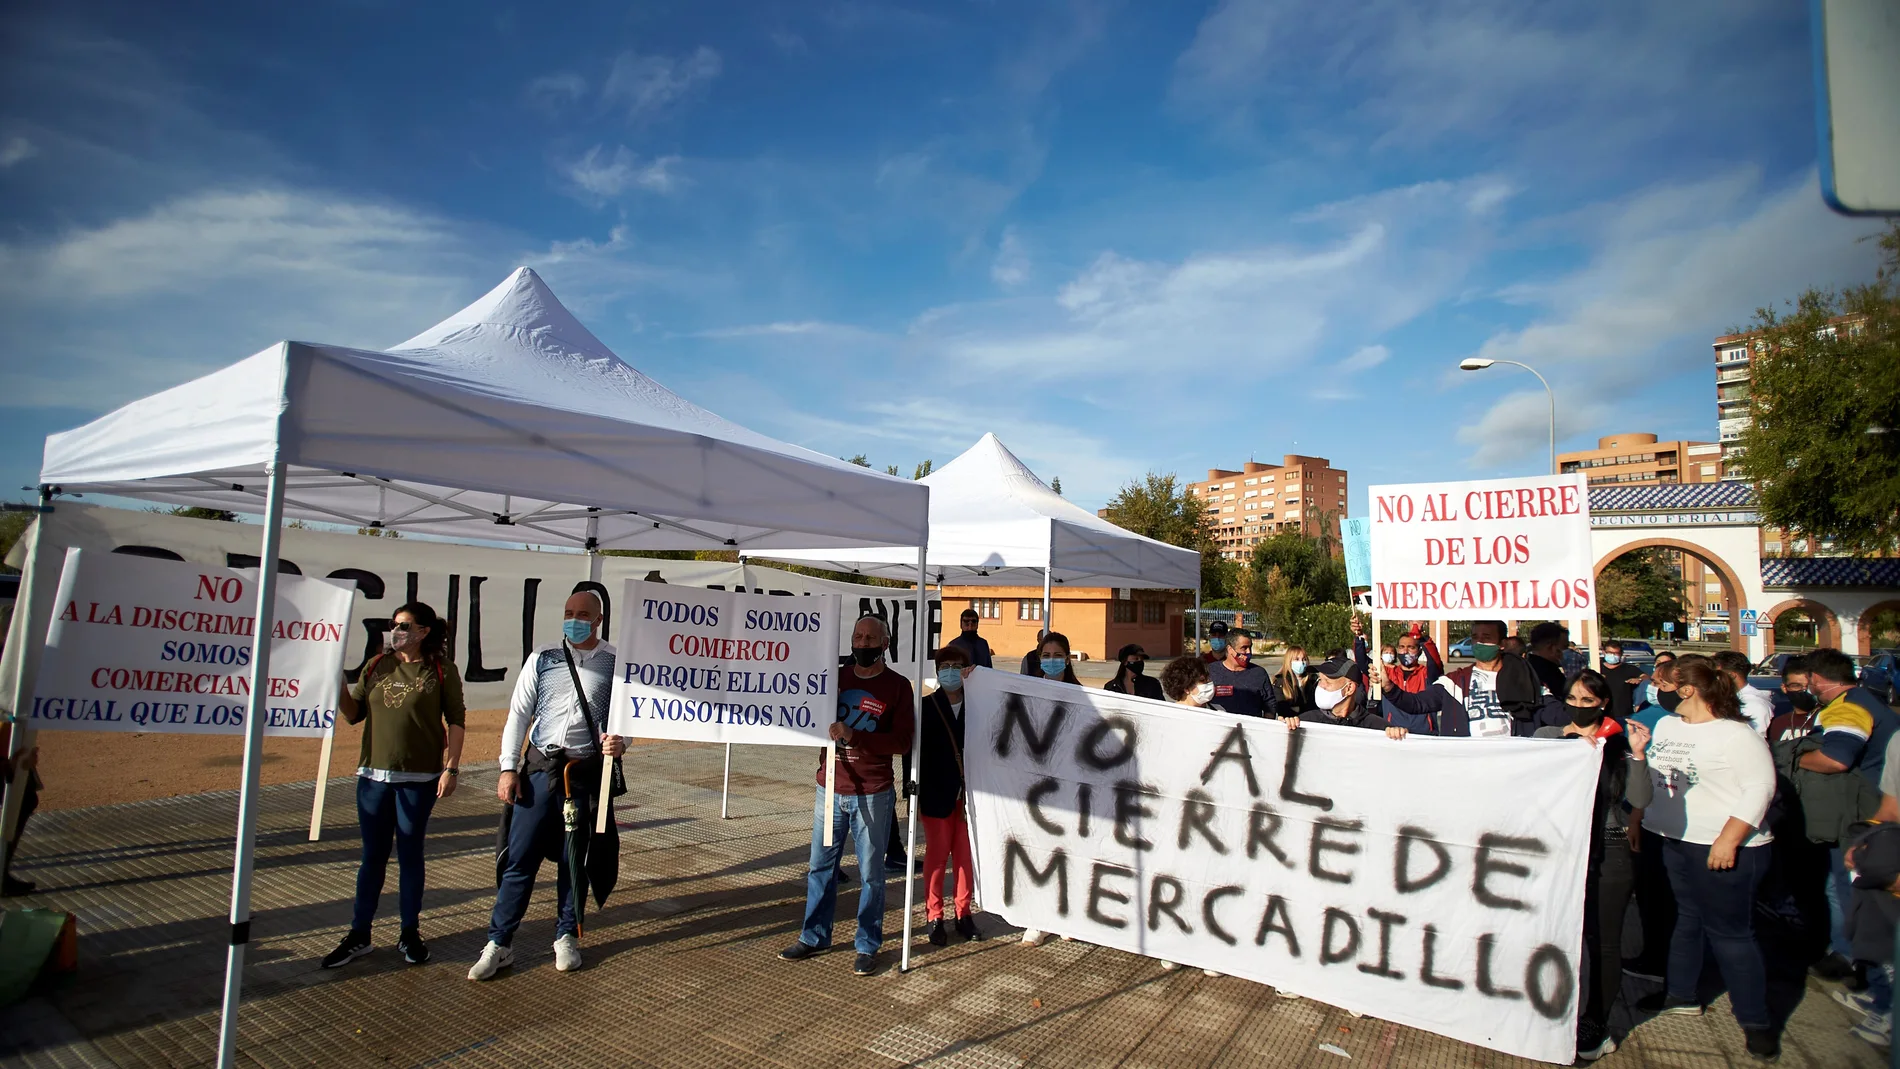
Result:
pixel 680 968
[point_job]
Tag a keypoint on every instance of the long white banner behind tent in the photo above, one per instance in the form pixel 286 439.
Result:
pixel 1494 549
pixel 1430 882
pixel 500 602
pixel 713 666
pixel 154 645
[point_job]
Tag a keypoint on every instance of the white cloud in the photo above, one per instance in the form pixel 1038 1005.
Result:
pixel 1365 359
pixel 1672 267
pixel 16 150
pixel 648 85
pixel 1011 266
pixel 555 91
pixel 106 313
pixel 787 329
pixel 604 176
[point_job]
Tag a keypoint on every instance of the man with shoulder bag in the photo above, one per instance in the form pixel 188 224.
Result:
pixel 560 709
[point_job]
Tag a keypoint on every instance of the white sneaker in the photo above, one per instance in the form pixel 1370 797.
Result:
pixel 1168 966
pixel 495 958
pixel 1284 993
pixel 1034 936
pixel 1211 972
pixel 567 954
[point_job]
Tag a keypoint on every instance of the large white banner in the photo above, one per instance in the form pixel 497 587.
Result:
pixel 713 666
pixel 1433 882
pixel 1496 549
pixel 138 644
pixel 500 603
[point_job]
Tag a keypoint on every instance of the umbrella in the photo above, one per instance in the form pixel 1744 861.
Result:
pixel 603 848
pixel 576 852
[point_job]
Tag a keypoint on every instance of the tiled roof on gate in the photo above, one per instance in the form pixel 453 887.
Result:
pixel 1829 571
pixel 1677 496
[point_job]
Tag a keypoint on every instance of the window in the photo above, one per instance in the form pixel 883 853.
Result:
pixel 1771 547
pixel 1152 612
pixel 1715 606
pixel 1253 482
pixel 1228 497
pixel 1124 611
pixel 1251 493
pixel 1029 610
pixel 987 608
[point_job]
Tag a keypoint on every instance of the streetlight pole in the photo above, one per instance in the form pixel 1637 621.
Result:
pixel 1478 364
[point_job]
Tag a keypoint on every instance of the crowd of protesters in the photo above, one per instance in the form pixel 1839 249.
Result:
pixel 1756 832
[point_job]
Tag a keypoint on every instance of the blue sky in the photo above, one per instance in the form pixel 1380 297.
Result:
pixel 1121 236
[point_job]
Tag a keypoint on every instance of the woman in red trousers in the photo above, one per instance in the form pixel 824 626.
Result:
pixel 940 794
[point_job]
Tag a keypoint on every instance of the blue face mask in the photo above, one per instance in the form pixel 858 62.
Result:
pixel 950 678
pixel 577 631
pixel 1218 645
pixel 1053 666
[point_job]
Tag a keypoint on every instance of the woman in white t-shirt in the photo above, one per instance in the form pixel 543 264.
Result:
pixel 1710 780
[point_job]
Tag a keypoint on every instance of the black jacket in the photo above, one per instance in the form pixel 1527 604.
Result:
pixel 1146 686
pixel 1609 820
pixel 939 779
pixel 1360 717
pixel 1284 706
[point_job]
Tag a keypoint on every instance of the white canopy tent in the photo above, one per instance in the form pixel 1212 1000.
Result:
pixel 994 523
pixel 510 421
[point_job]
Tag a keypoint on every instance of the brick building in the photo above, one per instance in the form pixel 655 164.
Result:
pixel 1305 494
pixel 1097 620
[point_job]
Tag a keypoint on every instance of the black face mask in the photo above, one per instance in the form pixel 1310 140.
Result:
pixel 1135 668
pixel 1803 700
pixel 969 632
pixel 1585 715
pixel 866 656
pixel 1668 699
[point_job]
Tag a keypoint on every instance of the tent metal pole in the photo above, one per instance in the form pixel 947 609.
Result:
pixel 25 677
pixel 916 758
pixel 1197 621
pixel 1048 625
pixel 594 561
pixel 725 787
pixel 259 707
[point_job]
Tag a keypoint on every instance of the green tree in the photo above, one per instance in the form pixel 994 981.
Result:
pixel 1322 627
pixel 1823 448
pixel 193 512
pixel 860 460
pixel 1288 572
pixel 1638 591
pixel 13 526
pixel 1056 485
pixel 1160 507
pixel 924 469
pixel 379 532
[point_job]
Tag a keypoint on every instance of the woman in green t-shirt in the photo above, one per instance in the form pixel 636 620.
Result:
pixel 412 750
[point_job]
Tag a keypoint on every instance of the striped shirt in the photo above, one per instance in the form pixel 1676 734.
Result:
pixel 544 694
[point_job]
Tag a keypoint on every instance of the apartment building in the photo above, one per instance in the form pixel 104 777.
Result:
pixel 1254 501
pixel 1642 460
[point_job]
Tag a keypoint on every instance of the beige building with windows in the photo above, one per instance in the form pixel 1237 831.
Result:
pixel 1245 506
pixel 1641 460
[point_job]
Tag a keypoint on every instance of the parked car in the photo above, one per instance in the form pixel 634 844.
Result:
pixel 1880 673
pixel 1460 648
pixel 1637 652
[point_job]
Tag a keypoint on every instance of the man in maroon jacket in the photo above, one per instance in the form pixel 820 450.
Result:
pixel 876 720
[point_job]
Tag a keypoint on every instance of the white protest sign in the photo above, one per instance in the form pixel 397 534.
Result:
pixel 1425 881
pixel 1500 548
pixel 138 644
pixel 713 666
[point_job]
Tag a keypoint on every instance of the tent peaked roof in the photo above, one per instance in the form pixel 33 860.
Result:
pixel 993 522
pixel 509 420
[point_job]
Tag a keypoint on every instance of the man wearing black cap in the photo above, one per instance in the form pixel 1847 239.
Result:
pixel 1341 696
pixel 1216 642
pixel 1240 686
pixel 1133 677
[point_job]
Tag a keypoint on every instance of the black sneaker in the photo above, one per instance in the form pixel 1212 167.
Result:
pixel 1833 968
pixel 1593 1042
pixel 966 927
pixel 1664 1005
pixel 14 887
pixel 799 951
pixel 354 945
pixel 414 950
pixel 939 935
pixel 1642 970
pixel 1764 1044
pixel 866 965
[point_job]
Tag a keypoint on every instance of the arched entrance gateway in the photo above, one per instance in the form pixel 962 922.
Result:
pixel 1827 626
pixel 1717 525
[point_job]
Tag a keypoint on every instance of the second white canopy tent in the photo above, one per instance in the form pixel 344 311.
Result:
pixel 994 523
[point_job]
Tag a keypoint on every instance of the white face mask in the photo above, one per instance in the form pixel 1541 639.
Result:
pixel 1388 658
pixel 1296 666
pixel 1202 694
pixel 1326 699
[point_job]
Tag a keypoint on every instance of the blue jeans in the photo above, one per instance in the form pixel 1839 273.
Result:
pixel 535 834
pixel 865 820
pixel 1840 891
pixel 1716 907
pixel 387 812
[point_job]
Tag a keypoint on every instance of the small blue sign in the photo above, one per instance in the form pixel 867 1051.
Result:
pixel 1749 625
pixel 1669 627
pixel 1356 537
